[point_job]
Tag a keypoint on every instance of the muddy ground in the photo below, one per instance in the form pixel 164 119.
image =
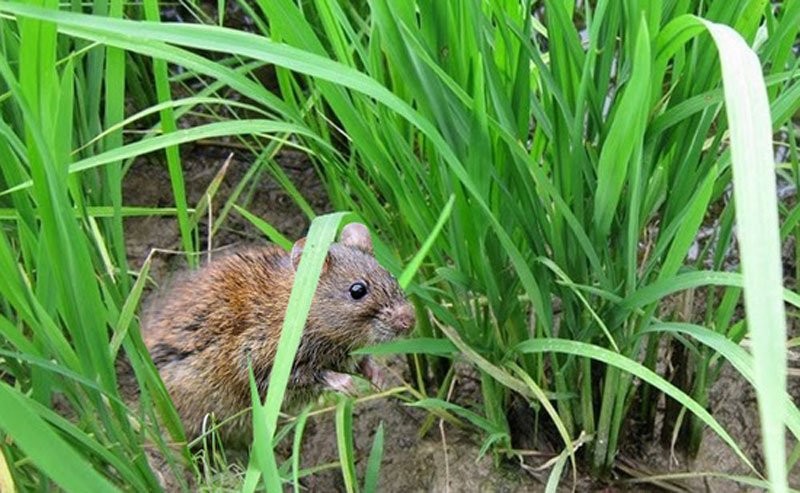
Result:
pixel 447 458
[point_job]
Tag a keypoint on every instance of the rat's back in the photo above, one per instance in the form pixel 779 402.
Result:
pixel 195 326
pixel 209 326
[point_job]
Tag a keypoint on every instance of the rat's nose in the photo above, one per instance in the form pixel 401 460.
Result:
pixel 404 318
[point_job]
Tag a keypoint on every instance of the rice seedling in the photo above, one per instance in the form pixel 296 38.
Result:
pixel 541 168
pixel 66 289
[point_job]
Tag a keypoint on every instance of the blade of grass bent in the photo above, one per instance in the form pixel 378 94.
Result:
pixel 755 193
pixel 630 366
pixel 210 130
pixel 659 289
pixel 734 354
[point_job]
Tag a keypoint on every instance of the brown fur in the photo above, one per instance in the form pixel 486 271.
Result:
pixel 202 330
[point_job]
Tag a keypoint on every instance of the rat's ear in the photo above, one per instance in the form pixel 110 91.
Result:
pixel 297 252
pixel 357 235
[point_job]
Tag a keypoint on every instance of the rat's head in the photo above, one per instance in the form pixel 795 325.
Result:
pixel 357 301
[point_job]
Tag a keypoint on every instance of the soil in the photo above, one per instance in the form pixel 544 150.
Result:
pixel 410 463
pixel 447 458
pixel 148 184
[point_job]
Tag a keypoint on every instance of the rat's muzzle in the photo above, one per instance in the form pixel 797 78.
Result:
pixel 401 318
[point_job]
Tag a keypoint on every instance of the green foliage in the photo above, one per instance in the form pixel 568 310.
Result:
pixel 67 303
pixel 344 440
pixel 374 462
pixel 265 417
pixel 542 177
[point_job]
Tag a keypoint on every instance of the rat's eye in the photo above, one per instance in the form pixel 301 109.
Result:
pixel 358 290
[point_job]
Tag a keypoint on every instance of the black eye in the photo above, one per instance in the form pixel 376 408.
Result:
pixel 358 290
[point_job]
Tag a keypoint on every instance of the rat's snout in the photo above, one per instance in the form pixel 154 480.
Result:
pixel 402 318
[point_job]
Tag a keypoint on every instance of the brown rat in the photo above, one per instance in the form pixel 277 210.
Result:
pixel 203 329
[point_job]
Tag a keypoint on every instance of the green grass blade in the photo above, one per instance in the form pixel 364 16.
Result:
pixel 344 442
pixel 757 219
pixel 418 345
pixel 659 289
pixel 169 125
pixel 374 462
pixel 632 367
pixel 114 113
pixel 262 450
pixel 299 428
pixel 251 476
pixel 271 233
pixel 129 308
pixel 625 134
pixel 210 130
pixel 413 266
pixel 45 448
pixel 320 236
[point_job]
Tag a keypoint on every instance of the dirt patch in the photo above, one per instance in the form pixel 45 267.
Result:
pixel 446 458
pixel 410 463
pixel 148 184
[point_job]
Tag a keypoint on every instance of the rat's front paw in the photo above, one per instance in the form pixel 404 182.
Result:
pixel 340 382
pixel 373 372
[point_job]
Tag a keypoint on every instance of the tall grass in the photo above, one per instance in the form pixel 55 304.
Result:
pixel 65 278
pixel 570 159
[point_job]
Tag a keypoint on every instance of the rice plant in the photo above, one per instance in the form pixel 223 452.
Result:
pixel 68 298
pixel 543 169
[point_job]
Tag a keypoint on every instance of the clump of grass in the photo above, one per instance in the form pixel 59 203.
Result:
pixel 555 176
pixel 582 172
pixel 67 296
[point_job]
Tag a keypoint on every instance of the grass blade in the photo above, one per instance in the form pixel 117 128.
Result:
pixel 299 427
pixel 600 354
pixel 128 309
pixel 320 236
pixel 344 442
pixel 417 345
pixel 211 130
pixel 46 449
pixel 625 134
pixel 374 462
pixel 757 219
pixel 413 266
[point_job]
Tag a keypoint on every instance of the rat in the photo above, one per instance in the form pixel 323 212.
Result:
pixel 205 328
